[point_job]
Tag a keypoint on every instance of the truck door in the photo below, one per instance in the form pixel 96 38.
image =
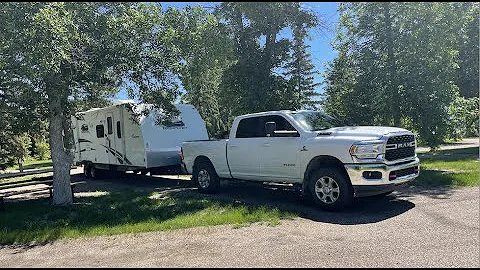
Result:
pixel 242 151
pixel 278 156
pixel 110 139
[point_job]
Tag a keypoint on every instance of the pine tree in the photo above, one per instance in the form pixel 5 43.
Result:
pixel 302 71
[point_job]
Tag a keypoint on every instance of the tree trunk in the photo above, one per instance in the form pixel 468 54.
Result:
pixel 62 194
pixel 20 165
pixel 61 147
pixel 393 86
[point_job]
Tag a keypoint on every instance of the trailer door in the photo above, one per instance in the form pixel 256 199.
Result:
pixel 110 139
pixel 118 135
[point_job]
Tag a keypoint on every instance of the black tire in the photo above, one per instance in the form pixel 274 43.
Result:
pixel 205 177
pixel 96 173
pixel 330 189
pixel 86 170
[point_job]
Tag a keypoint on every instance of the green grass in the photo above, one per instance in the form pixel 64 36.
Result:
pixel 451 168
pixel 451 165
pixel 34 164
pixel 125 212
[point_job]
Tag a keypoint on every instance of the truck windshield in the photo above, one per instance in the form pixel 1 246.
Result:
pixel 314 120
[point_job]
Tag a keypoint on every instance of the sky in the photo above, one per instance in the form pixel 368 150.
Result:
pixel 320 38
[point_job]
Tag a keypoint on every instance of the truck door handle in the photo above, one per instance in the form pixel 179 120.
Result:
pixel 266 144
pixel 232 145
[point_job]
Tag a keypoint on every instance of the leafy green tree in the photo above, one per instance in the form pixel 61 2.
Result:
pixel 468 72
pixel 205 51
pixel 301 69
pixel 396 66
pixel 21 143
pixel 7 151
pixel 255 82
pixel 464 115
pixel 57 53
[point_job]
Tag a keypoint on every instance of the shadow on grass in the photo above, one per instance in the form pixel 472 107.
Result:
pixel 130 208
pixel 128 203
pixel 445 179
pixel 363 210
pixel 117 212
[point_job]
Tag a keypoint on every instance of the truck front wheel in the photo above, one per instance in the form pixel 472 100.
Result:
pixel 330 189
pixel 205 178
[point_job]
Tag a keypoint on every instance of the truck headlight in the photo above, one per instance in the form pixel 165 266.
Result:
pixel 367 150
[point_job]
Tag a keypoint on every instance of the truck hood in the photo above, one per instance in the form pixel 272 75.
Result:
pixel 375 132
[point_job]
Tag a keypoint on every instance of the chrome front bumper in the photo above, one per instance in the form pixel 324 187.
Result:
pixel 355 172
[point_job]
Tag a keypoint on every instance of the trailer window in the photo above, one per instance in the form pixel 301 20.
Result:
pixel 109 125
pixel 100 131
pixel 119 132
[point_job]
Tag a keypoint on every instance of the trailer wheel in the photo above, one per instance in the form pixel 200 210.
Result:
pixel 94 172
pixel 330 189
pixel 205 177
pixel 86 170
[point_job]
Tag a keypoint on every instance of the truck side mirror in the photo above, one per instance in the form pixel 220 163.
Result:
pixel 270 127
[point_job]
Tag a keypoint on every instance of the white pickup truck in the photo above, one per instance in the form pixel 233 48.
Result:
pixel 330 163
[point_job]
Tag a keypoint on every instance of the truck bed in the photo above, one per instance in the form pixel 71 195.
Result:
pixel 215 150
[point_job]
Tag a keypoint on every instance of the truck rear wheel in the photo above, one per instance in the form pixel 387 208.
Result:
pixel 205 177
pixel 330 189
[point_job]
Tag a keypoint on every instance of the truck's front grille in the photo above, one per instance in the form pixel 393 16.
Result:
pixel 400 147
pixel 399 153
pixel 401 139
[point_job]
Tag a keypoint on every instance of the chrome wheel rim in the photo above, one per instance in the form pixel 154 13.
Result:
pixel 327 190
pixel 203 178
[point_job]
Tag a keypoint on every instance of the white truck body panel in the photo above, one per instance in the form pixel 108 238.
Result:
pixel 131 144
pixel 213 150
pixel 286 159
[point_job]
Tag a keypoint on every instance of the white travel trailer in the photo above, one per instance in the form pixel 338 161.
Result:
pixel 112 138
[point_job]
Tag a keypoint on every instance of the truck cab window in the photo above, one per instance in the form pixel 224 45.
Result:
pixel 109 125
pixel 282 123
pixel 100 131
pixel 119 132
pixel 250 128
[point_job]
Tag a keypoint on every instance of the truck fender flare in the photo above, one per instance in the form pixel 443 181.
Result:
pixel 324 161
pixel 202 159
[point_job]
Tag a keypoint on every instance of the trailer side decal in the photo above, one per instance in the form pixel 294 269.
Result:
pixel 114 152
